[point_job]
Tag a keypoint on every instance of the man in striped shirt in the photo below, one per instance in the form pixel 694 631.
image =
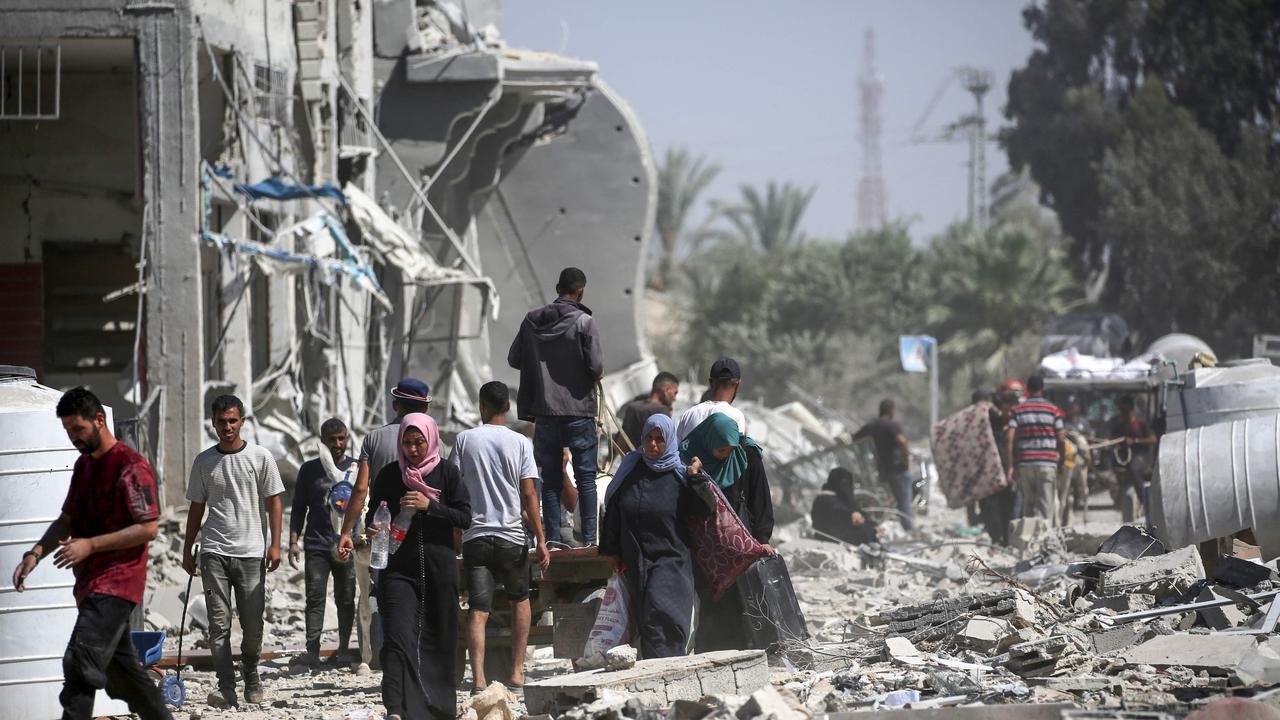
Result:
pixel 1034 439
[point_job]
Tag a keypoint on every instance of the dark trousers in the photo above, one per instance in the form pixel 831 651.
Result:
pixel 996 512
pixel 100 655
pixel 319 564
pixel 242 577
pixel 551 435
pixel 900 485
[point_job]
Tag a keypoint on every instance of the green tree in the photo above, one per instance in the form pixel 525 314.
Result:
pixel 1219 60
pixel 990 289
pixel 682 178
pixel 1193 228
pixel 769 221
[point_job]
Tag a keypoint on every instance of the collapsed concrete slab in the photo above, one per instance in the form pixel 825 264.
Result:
pixel 1239 656
pixel 660 681
pixel 1168 574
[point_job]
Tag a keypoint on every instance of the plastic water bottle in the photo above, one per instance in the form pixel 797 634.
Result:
pixel 379 553
pixel 400 527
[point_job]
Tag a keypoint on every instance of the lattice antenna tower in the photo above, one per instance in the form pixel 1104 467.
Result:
pixel 977 82
pixel 871 189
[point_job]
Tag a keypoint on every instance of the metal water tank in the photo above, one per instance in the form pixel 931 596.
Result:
pixel 1219 479
pixel 35 471
pixel 1231 391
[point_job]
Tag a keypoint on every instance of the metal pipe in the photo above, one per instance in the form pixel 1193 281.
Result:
pixel 1189 607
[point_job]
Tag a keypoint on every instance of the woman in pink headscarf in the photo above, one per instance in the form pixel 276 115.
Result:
pixel 418 590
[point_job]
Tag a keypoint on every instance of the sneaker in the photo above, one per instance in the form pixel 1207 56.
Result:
pixel 306 659
pixel 363 669
pixel 255 695
pixel 218 700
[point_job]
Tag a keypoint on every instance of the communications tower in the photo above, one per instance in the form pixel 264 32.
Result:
pixel 871 190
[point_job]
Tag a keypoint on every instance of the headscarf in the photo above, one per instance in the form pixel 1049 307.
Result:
pixel 840 482
pixel 668 462
pixel 717 431
pixel 670 459
pixel 413 474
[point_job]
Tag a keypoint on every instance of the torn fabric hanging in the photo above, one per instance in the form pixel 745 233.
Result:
pixel 400 249
pixel 351 266
pixel 276 188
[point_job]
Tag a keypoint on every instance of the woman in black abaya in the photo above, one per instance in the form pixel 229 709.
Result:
pixel 418 590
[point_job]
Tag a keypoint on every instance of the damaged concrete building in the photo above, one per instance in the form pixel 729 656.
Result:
pixel 298 202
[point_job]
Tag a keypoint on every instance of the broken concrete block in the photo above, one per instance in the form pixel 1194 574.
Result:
pixel 770 704
pixel 1024 610
pixel 1240 656
pixel 1079 683
pixel 661 681
pixel 1168 574
pixel 1127 602
pixel 984 633
pixel 493 703
pixel 1119 638
pixel 902 650
pixel 620 657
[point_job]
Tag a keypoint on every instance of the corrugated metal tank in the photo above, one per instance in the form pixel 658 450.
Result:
pixel 35 471
pixel 1217 480
pixel 1231 391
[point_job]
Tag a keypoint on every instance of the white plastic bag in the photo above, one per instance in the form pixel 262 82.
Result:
pixel 613 623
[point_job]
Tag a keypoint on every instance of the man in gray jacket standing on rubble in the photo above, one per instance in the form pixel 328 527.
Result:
pixel 557 352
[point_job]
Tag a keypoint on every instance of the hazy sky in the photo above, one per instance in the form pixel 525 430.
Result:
pixel 769 89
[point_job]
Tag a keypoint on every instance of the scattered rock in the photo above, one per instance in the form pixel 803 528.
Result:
pixel 620 657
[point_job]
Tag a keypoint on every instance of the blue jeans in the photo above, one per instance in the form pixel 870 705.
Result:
pixel 550 436
pixel 900 485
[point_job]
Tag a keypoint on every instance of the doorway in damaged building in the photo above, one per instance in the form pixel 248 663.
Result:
pixel 71 207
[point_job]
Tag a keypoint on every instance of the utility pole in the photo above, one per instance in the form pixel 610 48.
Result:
pixel 871 190
pixel 977 82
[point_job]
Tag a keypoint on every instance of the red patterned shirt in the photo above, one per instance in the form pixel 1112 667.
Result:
pixel 108 494
pixel 1036 423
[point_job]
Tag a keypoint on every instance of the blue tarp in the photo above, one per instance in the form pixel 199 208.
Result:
pixel 275 188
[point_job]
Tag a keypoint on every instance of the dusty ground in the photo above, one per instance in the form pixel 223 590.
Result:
pixel 834 587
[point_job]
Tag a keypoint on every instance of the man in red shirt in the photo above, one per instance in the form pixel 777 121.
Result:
pixel 108 518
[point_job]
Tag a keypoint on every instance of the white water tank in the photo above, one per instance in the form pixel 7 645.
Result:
pixel 35 471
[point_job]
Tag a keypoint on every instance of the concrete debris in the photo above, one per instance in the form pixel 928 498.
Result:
pixel 1241 657
pixel 1170 574
pixel 916 628
pixel 659 681
pixel 620 658
pixel 985 633
pixel 495 702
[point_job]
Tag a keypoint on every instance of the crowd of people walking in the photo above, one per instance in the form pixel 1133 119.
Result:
pixel 503 492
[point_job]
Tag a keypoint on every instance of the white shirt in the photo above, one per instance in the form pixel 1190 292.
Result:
pixel 694 416
pixel 492 461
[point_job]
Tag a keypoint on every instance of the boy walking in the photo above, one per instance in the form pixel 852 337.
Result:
pixel 238 485
pixel 499 472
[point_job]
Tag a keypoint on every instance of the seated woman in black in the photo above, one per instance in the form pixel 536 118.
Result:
pixel 644 534
pixel 418 590
pixel 836 513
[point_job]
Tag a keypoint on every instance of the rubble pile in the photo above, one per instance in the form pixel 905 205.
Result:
pixel 1084 621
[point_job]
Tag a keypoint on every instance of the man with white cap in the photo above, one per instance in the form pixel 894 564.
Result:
pixel 378 450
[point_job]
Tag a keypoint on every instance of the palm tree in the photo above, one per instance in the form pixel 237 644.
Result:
pixel 770 221
pixel 989 288
pixel 681 179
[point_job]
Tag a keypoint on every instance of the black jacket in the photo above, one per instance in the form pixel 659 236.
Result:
pixel 557 352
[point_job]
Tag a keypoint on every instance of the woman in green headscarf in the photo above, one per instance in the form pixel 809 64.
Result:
pixel 733 462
